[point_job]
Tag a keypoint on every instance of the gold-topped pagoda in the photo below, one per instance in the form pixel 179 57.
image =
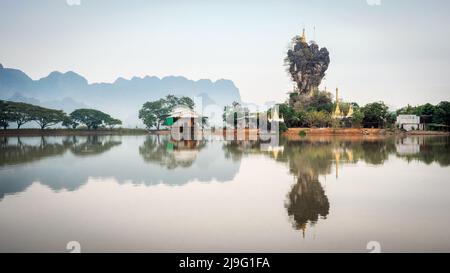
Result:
pixel 350 111
pixel 303 37
pixel 337 114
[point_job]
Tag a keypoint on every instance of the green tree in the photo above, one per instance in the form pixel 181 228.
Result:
pixel 5 116
pixel 20 113
pixel 316 101
pixel 375 114
pixel 92 118
pixel 427 109
pixel 154 113
pixel 442 113
pixel 391 118
pixel 172 101
pixel 357 118
pixel 317 119
pixel 408 110
pixel 46 117
pixel 111 122
pixel 291 117
pixel 69 122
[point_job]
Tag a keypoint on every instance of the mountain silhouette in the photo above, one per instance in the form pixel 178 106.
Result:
pixel 123 98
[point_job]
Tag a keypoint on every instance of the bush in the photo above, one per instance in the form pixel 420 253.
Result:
pixel 283 127
pixel 302 133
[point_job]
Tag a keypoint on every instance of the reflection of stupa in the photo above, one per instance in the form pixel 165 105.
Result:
pixel 346 154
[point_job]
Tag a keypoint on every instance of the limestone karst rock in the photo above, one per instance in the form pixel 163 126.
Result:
pixel 307 64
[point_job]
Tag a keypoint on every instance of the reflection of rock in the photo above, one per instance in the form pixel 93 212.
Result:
pixel 307 201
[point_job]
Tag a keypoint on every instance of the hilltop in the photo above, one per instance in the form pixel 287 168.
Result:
pixel 68 91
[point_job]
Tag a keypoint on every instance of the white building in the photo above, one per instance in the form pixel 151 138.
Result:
pixel 409 122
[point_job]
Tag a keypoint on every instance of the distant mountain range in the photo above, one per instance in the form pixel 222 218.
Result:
pixel 122 99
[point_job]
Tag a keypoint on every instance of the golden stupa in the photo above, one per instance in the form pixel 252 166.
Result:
pixel 337 114
pixel 303 37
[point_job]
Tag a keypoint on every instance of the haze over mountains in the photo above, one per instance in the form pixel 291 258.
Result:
pixel 122 98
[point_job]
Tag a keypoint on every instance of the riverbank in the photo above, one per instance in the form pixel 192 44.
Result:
pixel 69 132
pixel 356 131
pixel 291 132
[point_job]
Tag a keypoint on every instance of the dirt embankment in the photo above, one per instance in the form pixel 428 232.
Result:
pixel 355 131
pixel 333 131
pixel 292 132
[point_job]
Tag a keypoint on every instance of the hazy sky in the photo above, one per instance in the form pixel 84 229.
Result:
pixel 397 51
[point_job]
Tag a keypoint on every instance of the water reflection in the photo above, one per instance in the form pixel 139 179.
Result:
pixel 427 150
pixel 310 158
pixel 18 151
pixel 66 163
pixel 93 145
pixel 21 153
pixel 170 154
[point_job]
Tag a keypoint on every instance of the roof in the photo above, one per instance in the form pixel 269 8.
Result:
pixel 184 112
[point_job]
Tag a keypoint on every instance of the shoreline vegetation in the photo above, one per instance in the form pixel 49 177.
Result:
pixel 291 132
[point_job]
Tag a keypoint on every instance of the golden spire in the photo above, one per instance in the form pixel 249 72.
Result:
pixel 337 96
pixel 350 111
pixel 303 37
pixel 337 112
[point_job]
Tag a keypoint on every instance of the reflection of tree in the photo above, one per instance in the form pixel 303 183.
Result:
pixel 374 152
pixel 170 154
pixel 93 145
pixel 309 158
pixel 236 149
pixel 23 153
pixel 19 151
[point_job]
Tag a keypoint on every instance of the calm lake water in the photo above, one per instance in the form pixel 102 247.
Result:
pixel 150 194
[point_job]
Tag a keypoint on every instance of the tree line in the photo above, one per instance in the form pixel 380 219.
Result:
pixel 22 113
pixel 316 111
pixel 307 112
